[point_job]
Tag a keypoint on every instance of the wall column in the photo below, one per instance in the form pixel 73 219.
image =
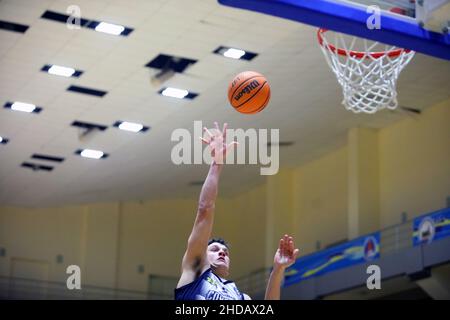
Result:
pixel 279 210
pixel 363 182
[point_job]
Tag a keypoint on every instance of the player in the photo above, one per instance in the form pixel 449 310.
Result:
pixel 206 262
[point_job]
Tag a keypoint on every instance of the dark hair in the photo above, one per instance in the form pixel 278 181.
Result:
pixel 218 240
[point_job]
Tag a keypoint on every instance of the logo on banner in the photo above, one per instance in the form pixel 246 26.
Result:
pixel 426 230
pixel 370 248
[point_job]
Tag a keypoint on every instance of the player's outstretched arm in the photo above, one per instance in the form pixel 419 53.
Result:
pixel 284 257
pixel 195 256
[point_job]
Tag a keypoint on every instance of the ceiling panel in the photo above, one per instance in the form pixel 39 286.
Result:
pixel 305 104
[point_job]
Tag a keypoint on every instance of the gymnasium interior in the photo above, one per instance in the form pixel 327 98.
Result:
pixel 124 219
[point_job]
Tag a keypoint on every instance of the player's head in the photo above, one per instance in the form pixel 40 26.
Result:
pixel 218 256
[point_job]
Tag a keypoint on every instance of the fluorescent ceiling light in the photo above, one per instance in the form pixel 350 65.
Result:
pixel 24 107
pixel 175 93
pixel 130 126
pixel 61 71
pixel 109 28
pixel 234 53
pixel 92 154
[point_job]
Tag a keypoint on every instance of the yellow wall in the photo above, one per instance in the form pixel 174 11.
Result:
pixel 109 241
pixel 320 201
pixel 152 234
pixel 99 244
pixel 40 234
pixel 415 164
pixel 241 222
pixel 279 211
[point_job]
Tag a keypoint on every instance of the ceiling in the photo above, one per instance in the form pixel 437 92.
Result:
pixel 305 103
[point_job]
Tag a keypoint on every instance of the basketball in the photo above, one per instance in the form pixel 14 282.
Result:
pixel 249 92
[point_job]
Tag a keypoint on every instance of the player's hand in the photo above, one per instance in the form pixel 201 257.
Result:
pixel 217 143
pixel 286 254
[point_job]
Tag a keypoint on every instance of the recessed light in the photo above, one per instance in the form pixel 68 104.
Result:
pixel 61 71
pixel 22 106
pixel 91 154
pixel 234 53
pixel 130 126
pixel 109 28
pixel 175 93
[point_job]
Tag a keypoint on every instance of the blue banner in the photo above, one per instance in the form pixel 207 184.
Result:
pixel 431 227
pixel 353 252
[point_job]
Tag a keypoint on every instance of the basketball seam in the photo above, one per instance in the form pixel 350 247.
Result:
pixel 264 104
pixel 261 107
pixel 237 107
pixel 232 95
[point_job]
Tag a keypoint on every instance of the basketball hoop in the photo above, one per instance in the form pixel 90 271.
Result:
pixel 366 70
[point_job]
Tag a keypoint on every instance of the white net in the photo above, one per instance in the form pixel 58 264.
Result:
pixel 366 70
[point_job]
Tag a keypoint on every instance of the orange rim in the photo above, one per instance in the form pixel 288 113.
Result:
pixel 358 54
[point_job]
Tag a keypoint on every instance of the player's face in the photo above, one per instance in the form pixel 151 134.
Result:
pixel 219 259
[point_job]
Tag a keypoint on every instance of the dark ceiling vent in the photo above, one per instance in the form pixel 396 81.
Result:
pixel 88 126
pixel 168 62
pixel 36 167
pixel 12 26
pixel 47 158
pixel 88 91
pixel 59 17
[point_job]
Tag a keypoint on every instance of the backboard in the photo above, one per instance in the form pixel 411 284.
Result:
pixel 419 25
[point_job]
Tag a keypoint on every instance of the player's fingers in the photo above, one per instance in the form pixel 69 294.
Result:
pixel 286 244
pixel 291 247
pixel 291 243
pixel 296 252
pixel 216 125
pixel 204 140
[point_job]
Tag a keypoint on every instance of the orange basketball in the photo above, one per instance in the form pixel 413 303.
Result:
pixel 249 92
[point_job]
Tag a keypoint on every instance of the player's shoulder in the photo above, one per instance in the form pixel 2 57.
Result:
pixel 246 296
pixel 190 275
